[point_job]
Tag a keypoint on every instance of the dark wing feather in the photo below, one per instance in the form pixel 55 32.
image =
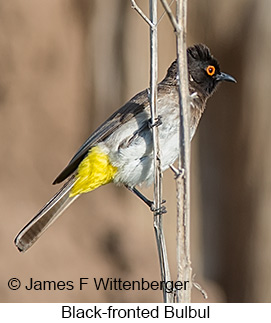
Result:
pixel 136 105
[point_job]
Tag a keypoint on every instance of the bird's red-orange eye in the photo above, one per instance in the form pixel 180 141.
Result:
pixel 210 70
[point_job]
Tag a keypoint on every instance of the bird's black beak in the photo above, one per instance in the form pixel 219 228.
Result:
pixel 225 77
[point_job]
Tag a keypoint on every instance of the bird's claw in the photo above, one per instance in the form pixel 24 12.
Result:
pixel 157 122
pixel 178 172
pixel 159 211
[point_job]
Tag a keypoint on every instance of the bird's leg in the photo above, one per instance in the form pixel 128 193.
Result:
pixel 147 201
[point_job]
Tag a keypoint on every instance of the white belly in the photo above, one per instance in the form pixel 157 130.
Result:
pixel 132 152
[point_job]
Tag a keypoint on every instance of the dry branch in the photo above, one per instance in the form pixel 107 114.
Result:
pixel 184 270
pixel 157 201
pixel 141 13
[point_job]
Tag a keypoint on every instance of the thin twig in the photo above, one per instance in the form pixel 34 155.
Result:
pixel 163 14
pixel 157 218
pixel 153 104
pixel 170 15
pixel 199 288
pixel 141 13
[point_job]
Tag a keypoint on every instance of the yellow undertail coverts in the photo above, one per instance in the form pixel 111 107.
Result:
pixel 95 170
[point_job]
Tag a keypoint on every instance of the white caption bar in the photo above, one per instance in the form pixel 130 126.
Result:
pixel 40 312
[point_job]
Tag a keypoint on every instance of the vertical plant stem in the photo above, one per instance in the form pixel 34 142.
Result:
pixel 184 270
pixel 157 218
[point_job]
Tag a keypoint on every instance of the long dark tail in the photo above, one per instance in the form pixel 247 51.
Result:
pixel 46 216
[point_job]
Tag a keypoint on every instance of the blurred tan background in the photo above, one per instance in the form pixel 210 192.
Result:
pixel 66 65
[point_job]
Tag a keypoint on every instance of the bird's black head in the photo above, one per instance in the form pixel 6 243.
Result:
pixel 204 71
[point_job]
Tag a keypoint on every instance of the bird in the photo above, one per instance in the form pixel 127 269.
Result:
pixel 121 149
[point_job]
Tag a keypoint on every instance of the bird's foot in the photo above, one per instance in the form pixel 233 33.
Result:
pixel 157 122
pixel 177 171
pixel 158 211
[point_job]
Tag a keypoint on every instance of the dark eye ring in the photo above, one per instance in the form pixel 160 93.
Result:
pixel 210 70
